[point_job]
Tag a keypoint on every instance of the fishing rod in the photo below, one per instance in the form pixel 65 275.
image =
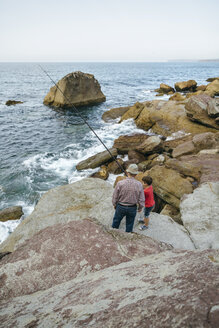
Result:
pixel 77 111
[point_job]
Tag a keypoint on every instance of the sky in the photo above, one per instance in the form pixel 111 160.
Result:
pixel 108 30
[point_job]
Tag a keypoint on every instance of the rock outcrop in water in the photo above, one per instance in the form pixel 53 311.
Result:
pixel 78 89
pixel 11 213
pixel 13 102
pixel 189 88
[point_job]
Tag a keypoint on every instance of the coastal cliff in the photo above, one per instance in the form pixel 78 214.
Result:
pixel 65 266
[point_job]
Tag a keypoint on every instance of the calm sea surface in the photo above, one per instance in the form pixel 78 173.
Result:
pixel 40 147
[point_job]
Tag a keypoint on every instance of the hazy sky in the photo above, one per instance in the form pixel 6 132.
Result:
pixel 108 30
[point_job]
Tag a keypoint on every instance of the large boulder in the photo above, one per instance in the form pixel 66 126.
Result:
pixel 212 88
pixel 97 160
pixel 186 86
pixel 187 169
pixel 11 213
pixel 197 110
pixel 213 107
pixel 169 185
pixel 133 112
pixel 199 142
pixel 169 289
pixel 77 88
pixel 184 149
pixel 150 145
pixel 125 143
pixel 207 163
pixel 167 117
pixel 165 88
pixel 79 200
pixel 171 143
pixel 200 215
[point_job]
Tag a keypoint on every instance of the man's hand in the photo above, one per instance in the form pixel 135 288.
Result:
pixel 139 210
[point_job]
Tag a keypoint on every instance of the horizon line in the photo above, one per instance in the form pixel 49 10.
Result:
pixel 114 61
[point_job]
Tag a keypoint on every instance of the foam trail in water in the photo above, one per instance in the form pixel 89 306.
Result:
pixel 6 228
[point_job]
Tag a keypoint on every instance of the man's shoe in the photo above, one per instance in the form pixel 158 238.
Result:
pixel 140 220
pixel 143 227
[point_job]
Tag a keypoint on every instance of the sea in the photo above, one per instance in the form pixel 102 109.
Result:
pixel 41 146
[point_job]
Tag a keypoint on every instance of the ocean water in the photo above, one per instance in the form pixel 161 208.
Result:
pixel 40 146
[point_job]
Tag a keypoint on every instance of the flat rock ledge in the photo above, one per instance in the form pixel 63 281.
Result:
pixel 169 289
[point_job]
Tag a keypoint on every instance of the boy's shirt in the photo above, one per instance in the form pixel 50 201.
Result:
pixel 149 196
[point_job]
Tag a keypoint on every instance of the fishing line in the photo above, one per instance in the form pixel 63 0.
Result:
pixel 77 111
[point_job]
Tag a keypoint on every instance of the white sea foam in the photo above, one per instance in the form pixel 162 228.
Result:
pixel 64 164
pixel 178 134
pixel 27 209
pixel 6 228
pixel 1 190
pixel 112 178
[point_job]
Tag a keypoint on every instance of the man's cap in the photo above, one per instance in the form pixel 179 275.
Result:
pixel 133 169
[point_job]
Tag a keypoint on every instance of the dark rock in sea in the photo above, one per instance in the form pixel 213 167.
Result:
pixel 11 213
pixel 78 89
pixel 165 89
pixel 13 102
pixel 211 79
pixel 114 113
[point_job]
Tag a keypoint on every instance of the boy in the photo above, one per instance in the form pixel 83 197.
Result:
pixel 149 201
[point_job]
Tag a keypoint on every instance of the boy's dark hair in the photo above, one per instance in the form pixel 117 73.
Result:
pixel 148 180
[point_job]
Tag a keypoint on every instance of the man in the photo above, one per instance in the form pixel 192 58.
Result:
pixel 128 198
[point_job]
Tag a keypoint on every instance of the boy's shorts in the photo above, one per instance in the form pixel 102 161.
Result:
pixel 147 211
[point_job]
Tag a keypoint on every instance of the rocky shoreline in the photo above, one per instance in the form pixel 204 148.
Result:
pixel 65 266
